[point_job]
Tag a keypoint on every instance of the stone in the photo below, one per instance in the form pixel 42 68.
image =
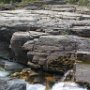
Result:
pixel 11 66
pixel 83 31
pixel 17 40
pixel 83 56
pixel 39 36
pixel 82 72
pixel 41 48
pixel 4 49
pixel 9 84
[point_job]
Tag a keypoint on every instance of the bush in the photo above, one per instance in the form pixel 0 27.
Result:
pixel 8 1
pixel 72 1
pixel 79 2
pixel 83 2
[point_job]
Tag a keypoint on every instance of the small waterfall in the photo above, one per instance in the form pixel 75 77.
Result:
pixel 35 87
pixel 4 73
pixel 57 86
pixel 67 86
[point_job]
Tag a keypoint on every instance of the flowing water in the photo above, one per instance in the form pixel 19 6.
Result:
pixel 3 72
pixel 56 86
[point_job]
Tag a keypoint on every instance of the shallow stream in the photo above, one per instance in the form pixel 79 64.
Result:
pixel 56 86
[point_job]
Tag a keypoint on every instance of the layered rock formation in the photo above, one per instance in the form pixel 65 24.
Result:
pixel 44 38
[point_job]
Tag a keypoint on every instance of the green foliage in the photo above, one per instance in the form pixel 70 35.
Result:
pixel 72 1
pixel 8 1
pixel 79 2
pixel 84 2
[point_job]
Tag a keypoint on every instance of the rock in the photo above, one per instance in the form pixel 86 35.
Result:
pixel 83 56
pixel 20 44
pixel 26 74
pixel 4 49
pixel 39 36
pixel 48 49
pixel 11 66
pixel 43 48
pixel 9 84
pixel 61 8
pixel 17 40
pixel 83 31
pixel 84 84
pixel 82 72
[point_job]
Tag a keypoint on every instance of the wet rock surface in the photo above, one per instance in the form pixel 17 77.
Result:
pixel 8 84
pixel 11 66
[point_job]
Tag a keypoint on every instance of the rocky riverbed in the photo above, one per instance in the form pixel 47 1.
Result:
pixel 47 40
pixel 19 81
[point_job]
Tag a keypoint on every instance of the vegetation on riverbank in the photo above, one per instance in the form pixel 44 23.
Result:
pixel 79 2
pixel 12 4
pixel 9 1
pixel 25 2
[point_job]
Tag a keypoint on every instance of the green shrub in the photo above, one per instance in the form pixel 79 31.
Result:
pixel 72 1
pixel 79 2
pixel 83 2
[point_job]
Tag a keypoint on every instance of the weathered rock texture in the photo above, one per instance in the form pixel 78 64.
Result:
pixel 41 37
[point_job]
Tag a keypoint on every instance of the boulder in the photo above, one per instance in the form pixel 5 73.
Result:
pixel 20 44
pixel 43 48
pixel 9 84
pixel 17 40
pixel 11 66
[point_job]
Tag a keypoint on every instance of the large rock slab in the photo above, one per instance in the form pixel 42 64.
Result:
pixel 47 34
pixel 39 20
pixel 82 72
pixel 42 48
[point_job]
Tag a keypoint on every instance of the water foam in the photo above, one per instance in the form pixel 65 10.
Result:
pixel 57 86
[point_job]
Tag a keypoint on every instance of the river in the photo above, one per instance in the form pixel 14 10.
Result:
pixel 56 86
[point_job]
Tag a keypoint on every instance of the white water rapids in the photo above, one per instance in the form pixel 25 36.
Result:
pixel 4 73
pixel 57 86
